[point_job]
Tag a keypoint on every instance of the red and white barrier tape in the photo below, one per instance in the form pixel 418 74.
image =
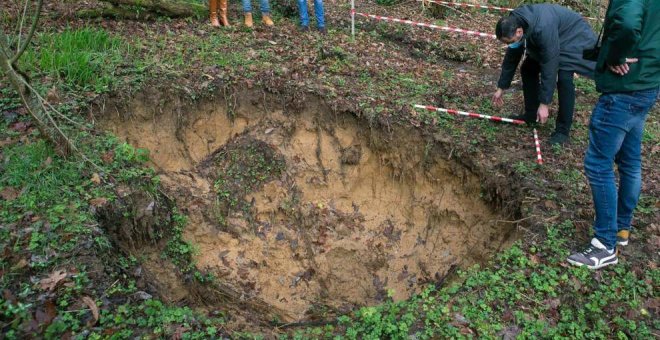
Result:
pixel 488 7
pixel 471 114
pixel 414 23
pixel 463 4
pixel 539 159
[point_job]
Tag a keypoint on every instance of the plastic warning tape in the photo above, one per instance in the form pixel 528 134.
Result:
pixel 471 114
pixel 421 24
pixel 463 4
pixel 488 7
pixel 537 143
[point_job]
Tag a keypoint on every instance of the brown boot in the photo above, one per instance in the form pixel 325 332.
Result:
pixel 223 13
pixel 267 20
pixel 248 20
pixel 213 9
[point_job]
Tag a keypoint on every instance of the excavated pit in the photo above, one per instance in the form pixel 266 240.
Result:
pixel 310 210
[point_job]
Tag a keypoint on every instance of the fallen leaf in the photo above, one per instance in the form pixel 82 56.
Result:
pixel 96 179
pixel 7 141
pixel 9 194
pixel 45 316
pixel 534 259
pixel 95 310
pixel 97 202
pixel 180 331
pixel 52 96
pixel 108 157
pixel 51 282
pixel 8 296
pixel 22 263
pixel 20 126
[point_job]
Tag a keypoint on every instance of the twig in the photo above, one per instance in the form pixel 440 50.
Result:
pixel 33 28
pixel 20 26
pixel 450 271
pixel 516 221
pixel 42 101
pixel 317 323
pixel 54 124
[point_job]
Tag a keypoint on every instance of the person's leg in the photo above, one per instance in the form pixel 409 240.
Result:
pixel 265 7
pixel 213 9
pixel 247 6
pixel 629 157
pixel 222 9
pixel 529 72
pixel 607 130
pixel 247 12
pixel 319 14
pixel 566 94
pixel 304 16
pixel 265 13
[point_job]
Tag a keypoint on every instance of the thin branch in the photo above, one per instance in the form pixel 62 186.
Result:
pixel 32 30
pixel 5 45
pixel 42 101
pixel 57 127
pixel 20 25
pixel 20 82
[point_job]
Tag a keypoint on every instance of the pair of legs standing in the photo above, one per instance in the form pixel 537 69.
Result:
pixel 530 73
pixel 220 7
pixel 318 13
pixel 265 12
pixel 615 137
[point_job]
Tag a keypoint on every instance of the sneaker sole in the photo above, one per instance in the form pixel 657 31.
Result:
pixel 580 264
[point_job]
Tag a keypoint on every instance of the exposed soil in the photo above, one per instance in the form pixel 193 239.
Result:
pixel 311 210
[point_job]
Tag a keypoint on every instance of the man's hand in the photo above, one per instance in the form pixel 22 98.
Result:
pixel 624 68
pixel 497 98
pixel 542 114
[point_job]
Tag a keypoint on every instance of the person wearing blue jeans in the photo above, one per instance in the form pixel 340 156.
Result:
pixel 628 76
pixel 318 13
pixel 265 13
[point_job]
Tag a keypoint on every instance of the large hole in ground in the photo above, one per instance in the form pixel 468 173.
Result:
pixel 313 210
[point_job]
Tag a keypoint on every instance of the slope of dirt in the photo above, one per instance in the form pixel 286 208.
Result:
pixel 308 209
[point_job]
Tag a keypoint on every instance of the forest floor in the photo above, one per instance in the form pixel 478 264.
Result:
pixel 272 183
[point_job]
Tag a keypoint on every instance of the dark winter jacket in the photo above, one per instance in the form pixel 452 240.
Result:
pixel 555 37
pixel 632 30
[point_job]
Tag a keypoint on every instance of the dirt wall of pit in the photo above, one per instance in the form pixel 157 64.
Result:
pixel 308 209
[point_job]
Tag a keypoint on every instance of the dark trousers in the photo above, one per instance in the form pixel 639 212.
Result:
pixel 530 72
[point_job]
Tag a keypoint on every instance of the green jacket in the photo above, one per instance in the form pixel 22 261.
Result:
pixel 632 30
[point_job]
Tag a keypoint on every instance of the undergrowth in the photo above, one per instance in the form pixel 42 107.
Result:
pixel 60 273
pixel 526 292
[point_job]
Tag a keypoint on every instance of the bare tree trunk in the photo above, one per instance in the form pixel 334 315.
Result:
pixel 171 8
pixel 115 12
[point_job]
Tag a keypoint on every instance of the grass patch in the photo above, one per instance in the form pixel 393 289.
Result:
pixel 85 58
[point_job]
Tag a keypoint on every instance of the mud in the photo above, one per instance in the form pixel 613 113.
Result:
pixel 354 215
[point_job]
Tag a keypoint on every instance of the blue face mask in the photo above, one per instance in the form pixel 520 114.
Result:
pixel 517 43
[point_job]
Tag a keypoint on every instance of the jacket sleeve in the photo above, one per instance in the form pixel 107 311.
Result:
pixel 509 66
pixel 548 39
pixel 624 29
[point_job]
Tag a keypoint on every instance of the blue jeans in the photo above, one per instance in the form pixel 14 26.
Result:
pixel 318 12
pixel 265 6
pixel 615 136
